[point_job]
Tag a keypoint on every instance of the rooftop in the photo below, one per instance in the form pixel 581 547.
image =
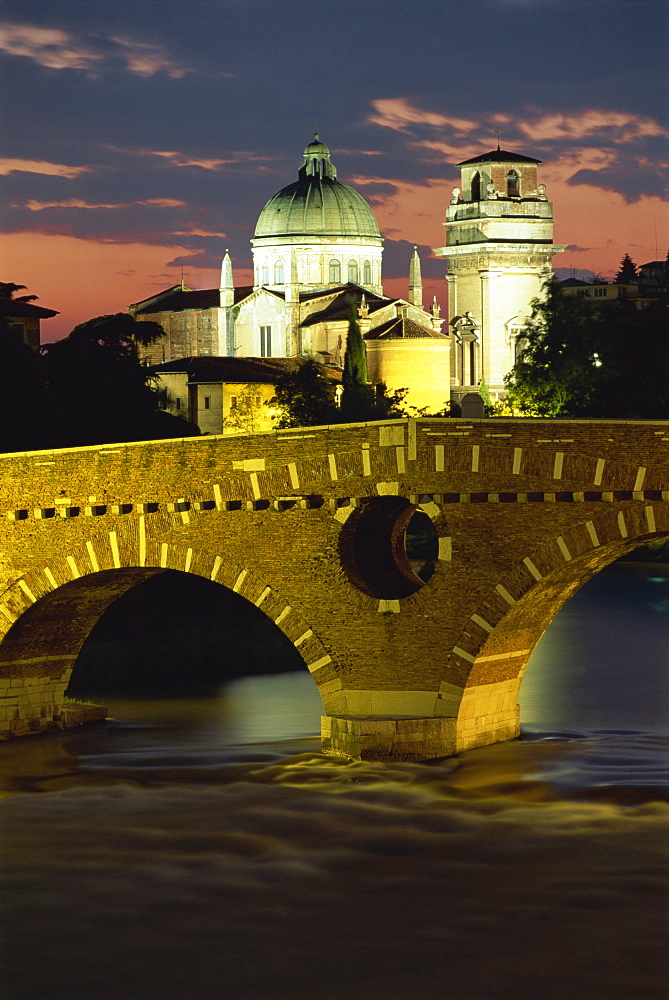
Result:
pixel 499 156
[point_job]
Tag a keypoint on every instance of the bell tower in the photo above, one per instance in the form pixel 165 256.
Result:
pixel 499 245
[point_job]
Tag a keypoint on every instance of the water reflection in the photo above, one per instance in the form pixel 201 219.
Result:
pixel 603 662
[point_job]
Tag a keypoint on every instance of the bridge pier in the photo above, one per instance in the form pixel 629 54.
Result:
pixel 370 738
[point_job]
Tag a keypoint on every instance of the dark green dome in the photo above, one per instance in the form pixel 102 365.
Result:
pixel 317 204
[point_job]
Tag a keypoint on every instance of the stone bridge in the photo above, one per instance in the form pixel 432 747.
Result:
pixel 309 525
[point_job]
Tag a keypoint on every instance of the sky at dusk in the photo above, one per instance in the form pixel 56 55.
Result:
pixel 143 137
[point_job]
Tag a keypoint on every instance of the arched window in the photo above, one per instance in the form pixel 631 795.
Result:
pixel 335 272
pixel 366 273
pixel 476 187
pixel 512 184
pixel 353 272
pixel 278 272
pixel 265 275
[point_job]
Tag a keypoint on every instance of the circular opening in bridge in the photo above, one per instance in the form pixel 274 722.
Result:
pixel 422 545
pixel 388 548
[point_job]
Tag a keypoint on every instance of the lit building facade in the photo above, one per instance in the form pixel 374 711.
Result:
pixel 499 247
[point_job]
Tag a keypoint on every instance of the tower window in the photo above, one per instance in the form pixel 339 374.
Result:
pixel 278 272
pixel 512 184
pixel 265 341
pixel 353 272
pixel 476 187
pixel 366 273
pixel 207 402
pixel 265 275
pixel 335 272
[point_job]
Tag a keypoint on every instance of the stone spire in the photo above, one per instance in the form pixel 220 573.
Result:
pixel 435 316
pixel 226 288
pixel 415 280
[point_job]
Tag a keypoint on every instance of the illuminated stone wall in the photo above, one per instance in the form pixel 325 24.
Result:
pixel 301 523
pixel 422 365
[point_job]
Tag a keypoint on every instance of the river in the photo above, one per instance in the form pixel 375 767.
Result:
pixel 203 847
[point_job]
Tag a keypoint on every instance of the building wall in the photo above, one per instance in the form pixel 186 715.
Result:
pixel 263 309
pixel 312 261
pixel 189 333
pixel 422 366
pixel 244 400
pixel 498 296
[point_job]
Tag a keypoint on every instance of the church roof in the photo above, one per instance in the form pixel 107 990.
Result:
pixel 403 328
pixel 499 156
pixel 317 204
pixel 178 298
pixel 340 307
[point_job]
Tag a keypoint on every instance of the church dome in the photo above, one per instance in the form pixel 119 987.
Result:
pixel 317 204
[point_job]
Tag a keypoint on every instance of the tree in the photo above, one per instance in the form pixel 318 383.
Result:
pixel 28 421
pixel 244 415
pixel 8 291
pixel 357 398
pixel 102 390
pixel 627 273
pixel 304 397
pixel 558 361
pixel 583 361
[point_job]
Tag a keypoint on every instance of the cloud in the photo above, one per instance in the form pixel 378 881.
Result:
pixel 624 127
pixel 183 160
pixel 56 49
pixel 40 206
pixel 9 166
pixel 46 46
pixel 599 147
pixel 147 60
pixel 398 114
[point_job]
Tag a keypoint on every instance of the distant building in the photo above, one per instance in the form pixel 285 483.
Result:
pixel 652 284
pixel 25 318
pixel 317 253
pixel 499 246
pixel 225 395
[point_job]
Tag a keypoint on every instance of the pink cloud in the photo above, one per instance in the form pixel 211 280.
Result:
pixel 57 49
pixel 397 114
pixel 578 126
pixel 198 232
pixel 39 206
pixel 147 60
pixel 8 166
pixel 46 46
pixel 182 160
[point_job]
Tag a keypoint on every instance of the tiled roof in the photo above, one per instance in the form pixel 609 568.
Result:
pixel 402 328
pixel 13 309
pixel 340 307
pixel 499 156
pixel 216 369
pixel 178 299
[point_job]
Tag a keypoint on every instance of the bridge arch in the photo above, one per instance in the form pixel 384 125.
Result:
pixel 50 610
pixel 500 636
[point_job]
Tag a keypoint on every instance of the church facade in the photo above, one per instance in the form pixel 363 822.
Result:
pixel 317 253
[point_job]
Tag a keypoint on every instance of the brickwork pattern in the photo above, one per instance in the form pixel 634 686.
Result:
pixel 525 511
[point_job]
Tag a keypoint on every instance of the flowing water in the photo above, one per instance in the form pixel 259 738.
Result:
pixel 205 848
